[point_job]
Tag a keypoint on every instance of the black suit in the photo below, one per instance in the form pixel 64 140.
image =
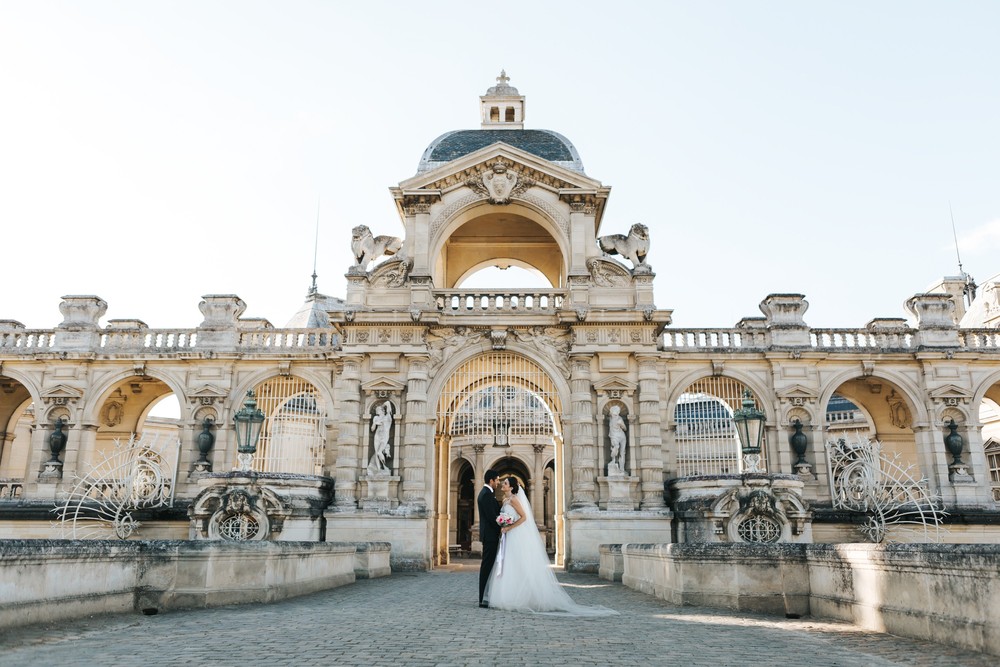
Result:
pixel 489 535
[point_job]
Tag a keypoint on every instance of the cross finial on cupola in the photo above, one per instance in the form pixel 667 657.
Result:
pixel 502 107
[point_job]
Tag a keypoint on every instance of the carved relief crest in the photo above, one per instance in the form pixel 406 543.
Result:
pixel 499 183
pixel 392 273
pixel 605 273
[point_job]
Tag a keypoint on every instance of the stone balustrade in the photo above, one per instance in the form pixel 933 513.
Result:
pixel 165 341
pixel 714 339
pixel 492 301
pixel 42 581
pixel 26 341
pixel 867 339
pixel 947 593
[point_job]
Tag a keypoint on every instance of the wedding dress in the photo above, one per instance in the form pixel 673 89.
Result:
pixel 522 579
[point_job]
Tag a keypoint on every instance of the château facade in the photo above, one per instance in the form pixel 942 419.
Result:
pixel 383 409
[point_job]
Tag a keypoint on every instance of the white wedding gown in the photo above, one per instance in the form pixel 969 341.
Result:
pixel 522 579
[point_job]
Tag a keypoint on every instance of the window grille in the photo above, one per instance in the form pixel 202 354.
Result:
pixel 293 439
pixel 707 443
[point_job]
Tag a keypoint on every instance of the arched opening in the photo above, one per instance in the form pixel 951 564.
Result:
pixel 989 417
pixel 17 424
pixel 505 274
pixel 707 442
pixel 498 410
pixel 876 409
pixel 499 237
pixel 138 408
pixel 509 115
pixel 293 438
pixel 495 114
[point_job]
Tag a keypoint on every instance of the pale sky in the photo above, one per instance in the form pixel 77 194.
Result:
pixel 154 152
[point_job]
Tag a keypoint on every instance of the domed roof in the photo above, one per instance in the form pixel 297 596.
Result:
pixel 546 144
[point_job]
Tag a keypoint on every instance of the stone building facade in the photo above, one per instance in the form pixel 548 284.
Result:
pixel 384 408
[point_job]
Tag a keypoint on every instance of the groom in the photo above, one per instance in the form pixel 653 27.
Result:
pixel 489 531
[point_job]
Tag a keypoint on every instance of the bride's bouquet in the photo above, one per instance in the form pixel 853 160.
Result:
pixel 505 520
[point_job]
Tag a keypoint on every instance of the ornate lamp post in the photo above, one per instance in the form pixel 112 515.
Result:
pixel 248 422
pixel 749 423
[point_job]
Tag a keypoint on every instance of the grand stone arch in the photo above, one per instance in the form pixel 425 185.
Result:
pixel 491 406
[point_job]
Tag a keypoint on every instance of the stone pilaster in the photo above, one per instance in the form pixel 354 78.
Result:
pixel 415 437
pixel 649 457
pixel 583 446
pixel 349 450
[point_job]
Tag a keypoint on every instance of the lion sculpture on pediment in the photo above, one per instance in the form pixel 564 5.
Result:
pixel 367 248
pixel 632 247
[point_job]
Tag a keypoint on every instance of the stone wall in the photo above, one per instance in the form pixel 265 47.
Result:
pixel 50 580
pixel 948 593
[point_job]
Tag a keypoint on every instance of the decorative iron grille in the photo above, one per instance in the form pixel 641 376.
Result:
pixel 293 438
pixel 499 398
pixel 707 443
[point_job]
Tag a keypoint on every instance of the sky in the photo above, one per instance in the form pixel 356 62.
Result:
pixel 155 152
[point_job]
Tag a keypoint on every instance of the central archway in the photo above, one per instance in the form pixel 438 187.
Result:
pixel 497 410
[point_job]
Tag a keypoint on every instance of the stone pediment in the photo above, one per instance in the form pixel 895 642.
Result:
pixel 615 385
pixel 383 386
pixel 797 395
pixel 61 394
pixel 950 394
pixel 207 394
pixel 458 172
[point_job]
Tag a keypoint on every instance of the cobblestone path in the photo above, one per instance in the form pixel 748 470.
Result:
pixel 433 619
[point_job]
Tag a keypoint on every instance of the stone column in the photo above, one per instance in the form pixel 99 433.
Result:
pixel 349 449
pixel 583 446
pixel 415 425
pixel 537 487
pixel 650 456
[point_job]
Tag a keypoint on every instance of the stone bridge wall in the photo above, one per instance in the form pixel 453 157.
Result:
pixel 948 593
pixel 50 580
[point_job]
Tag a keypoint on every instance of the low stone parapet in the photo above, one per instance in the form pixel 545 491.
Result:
pixel 948 593
pixel 51 580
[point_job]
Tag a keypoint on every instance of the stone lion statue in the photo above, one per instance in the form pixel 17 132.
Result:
pixel 367 248
pixel 632 247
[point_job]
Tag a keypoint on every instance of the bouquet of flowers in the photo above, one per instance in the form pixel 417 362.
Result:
pixel 505 520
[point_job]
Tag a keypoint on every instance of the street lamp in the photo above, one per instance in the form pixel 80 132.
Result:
pixel 248 422
pixel 750 429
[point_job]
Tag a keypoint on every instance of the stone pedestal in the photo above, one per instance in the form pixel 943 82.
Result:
pixel 51 472
pixel 379 493
pixel 618 492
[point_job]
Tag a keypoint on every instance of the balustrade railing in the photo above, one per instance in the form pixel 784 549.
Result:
pixel 10 489
pixel 490 301
pixel 978 339
pixel 152 340
pixel 289 339
pixel 839 339
pixel 712 339
pixel 26 341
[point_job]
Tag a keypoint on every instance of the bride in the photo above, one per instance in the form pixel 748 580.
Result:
pixel 522 579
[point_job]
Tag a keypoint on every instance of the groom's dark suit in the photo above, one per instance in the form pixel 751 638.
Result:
pixel 489 535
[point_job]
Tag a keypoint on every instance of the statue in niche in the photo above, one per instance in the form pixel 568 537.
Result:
pixel 381 426
pixel 619 441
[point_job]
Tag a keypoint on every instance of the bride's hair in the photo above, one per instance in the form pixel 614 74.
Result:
pixel 514 486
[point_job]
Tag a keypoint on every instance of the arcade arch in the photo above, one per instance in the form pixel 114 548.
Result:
pixel 17 424
pixel 494 237
pixel 707 443
pixel 497 410
pixel 293 437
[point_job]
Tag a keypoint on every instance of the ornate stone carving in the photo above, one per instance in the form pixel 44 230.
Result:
pixel 498 338
pixel 500 183
pixel 392 273
pixel 367 248
pixel 899 414
pixel 552 342
pixel 444 341
pixel 632 247
pixel 605 273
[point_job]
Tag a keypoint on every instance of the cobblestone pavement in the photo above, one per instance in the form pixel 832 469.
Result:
pixel 433 619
